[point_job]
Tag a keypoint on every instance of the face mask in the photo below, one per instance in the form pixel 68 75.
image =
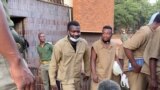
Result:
pixel 73 39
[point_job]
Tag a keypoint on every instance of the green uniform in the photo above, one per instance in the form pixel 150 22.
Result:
pixel 45 53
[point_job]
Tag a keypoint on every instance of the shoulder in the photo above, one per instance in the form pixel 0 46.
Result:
pixel 60 42
pixel 96 42
pixel 83 41
pixel 144 30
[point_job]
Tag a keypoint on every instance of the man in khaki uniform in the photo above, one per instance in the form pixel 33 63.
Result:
pixel 66 61
pixel 134 49
pixel 151 67
pixel 103 53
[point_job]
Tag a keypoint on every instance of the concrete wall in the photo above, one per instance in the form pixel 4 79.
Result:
pixel 40 17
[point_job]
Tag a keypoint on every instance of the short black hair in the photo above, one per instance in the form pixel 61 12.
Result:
pixel 107 27
pixel 108 85
pixel 72 23
pixel 157 18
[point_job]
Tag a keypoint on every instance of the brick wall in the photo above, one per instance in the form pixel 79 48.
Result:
pixel 40 17
pixel 93 14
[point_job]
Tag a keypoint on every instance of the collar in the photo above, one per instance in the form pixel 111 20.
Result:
pixel 103 45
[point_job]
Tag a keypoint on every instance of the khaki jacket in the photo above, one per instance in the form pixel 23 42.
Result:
pixel 68 63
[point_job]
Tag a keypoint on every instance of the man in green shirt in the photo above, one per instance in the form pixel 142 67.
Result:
pixel 45 52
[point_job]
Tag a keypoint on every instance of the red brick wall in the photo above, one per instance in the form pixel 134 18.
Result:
pixel 93 14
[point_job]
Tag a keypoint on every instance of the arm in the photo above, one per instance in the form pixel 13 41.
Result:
pixel 86 63
pixel 53 67
pixel 130 56
pixel 18 69
pixel 93 65
pixel 153 76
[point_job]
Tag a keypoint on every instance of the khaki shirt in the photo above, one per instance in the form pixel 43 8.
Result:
pixel 152 51
pixel 67 62
pixel 105 59
pixel 138 41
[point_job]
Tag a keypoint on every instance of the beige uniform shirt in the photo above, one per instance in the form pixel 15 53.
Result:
pixel 152 51
pixel 67 62
pixel 138 41
pixel 105 59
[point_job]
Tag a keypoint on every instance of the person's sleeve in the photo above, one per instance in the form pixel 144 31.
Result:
pixel 155 47
pixel 38 51
pixel 136 40
pixel 51 47
pixel 120 53
pixel 86 61
pixel 53 67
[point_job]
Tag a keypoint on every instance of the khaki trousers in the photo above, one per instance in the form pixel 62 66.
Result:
pixel 74 86
pixel 6 83
pixel 137 81
pixel 45 75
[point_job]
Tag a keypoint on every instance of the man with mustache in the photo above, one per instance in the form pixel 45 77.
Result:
pixel 67 57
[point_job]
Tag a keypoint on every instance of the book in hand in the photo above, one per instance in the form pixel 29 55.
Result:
pixel 139 61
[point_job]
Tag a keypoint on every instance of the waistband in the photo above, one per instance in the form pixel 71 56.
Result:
pixel 45 62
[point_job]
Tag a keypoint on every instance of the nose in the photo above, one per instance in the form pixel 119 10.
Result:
pixel 76 33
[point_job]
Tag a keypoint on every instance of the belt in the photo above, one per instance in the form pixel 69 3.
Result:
pixel 45 62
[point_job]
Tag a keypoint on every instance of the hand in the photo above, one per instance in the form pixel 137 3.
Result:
pixel 85 78
pixel 54 87
pixel 153 84
pixel 95 78
pixel 22 76
pixel 137 68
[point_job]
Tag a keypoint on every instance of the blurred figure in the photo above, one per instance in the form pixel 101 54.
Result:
pixel 108 85
pixel 134 50
pixel 124 35
pixel 18 68
pixel 151 67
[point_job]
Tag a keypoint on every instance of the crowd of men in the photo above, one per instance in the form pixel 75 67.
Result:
pixel 61 64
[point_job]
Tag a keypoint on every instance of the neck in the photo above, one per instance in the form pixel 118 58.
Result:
pixel 153 26
pixel 106 42
pixel 42 43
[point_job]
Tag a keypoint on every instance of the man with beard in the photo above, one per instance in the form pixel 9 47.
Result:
pixel 66 61
pixel 103 54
